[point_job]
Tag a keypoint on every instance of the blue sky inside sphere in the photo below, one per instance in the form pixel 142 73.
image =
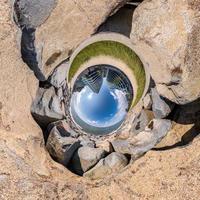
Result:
pixel 99 107
pixel 103 109
pixel 100 100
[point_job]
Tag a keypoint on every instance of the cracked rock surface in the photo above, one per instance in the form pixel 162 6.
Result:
pixel 166 37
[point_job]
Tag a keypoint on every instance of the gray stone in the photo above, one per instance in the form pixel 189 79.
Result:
pixel 147 102
pixel 85 141
pixel 85 158
pixel 32 13
pixel 58 76
pixel 61 148
pixel 161 107
pixel 64 128
pixel 46 107
pixel 106 145
pixel 145 140
pixel 61 34
pixel 113 163
pixel 141 121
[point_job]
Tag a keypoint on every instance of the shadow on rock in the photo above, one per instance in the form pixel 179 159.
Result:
pixel 185 115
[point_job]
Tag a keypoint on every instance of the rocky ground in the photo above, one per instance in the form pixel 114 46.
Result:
pixel 169 171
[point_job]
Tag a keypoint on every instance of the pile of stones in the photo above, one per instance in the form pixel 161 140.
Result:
pixel 97 156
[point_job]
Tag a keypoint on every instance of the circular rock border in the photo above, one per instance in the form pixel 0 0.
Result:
pixel 102 42
pixel 91 156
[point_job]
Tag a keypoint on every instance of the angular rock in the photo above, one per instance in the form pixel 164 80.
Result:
pixel 120 22
pixel 167 39
pixel 145 140
pixel 85 158
pixel 58 76
pixel 113 163
pixel 147 102
pixel 46 107
pixel 31 13
pixel 106 145
pixel 161 107
pixel 63 128
pixel 141 121
pixel 85 141
pixel 61 147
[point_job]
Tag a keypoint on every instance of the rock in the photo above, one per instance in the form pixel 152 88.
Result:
pixel 120 22
pixel 113 163
pixel 61 148
pixel 161 107
pixel 32 14
pixel 30 171
pixel 106 145
pixel 125 130
pixel 85 141
pixel 63 128
pixel 28 15
pixel 186 126
pixel 145 140
pixel 58 76
pixel 147 102
pixel 60 34
pixel 168 40
pixel 46 107
pixel 85 158
pixel 141 121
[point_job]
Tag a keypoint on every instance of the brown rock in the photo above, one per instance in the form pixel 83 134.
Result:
pixel 167 39
pixel 106 145
pixel 69 24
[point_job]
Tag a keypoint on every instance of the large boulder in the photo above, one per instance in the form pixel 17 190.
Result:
pixel 85 158
pixel 167 39
pixel 47 107
pixel 113 163
pixel 61 147
pixel 75 21
pixel 145 140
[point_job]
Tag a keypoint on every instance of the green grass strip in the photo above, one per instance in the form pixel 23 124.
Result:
pixel 116 50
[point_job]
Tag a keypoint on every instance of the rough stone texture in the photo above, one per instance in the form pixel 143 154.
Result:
pixel 61 147
pixel 147 102
pixel 27 172
pixel 106 145
pixel 121 22
pixel 145 140
pixel 32 13
pixel 85 158
pixel 166 37
pixel 75 21
pixel 161 107
pixel 85 141
pixel 141 121
pixel 63 127
pixel 46 107
pixel 113 163
pixel 58 76
pixel 186 126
